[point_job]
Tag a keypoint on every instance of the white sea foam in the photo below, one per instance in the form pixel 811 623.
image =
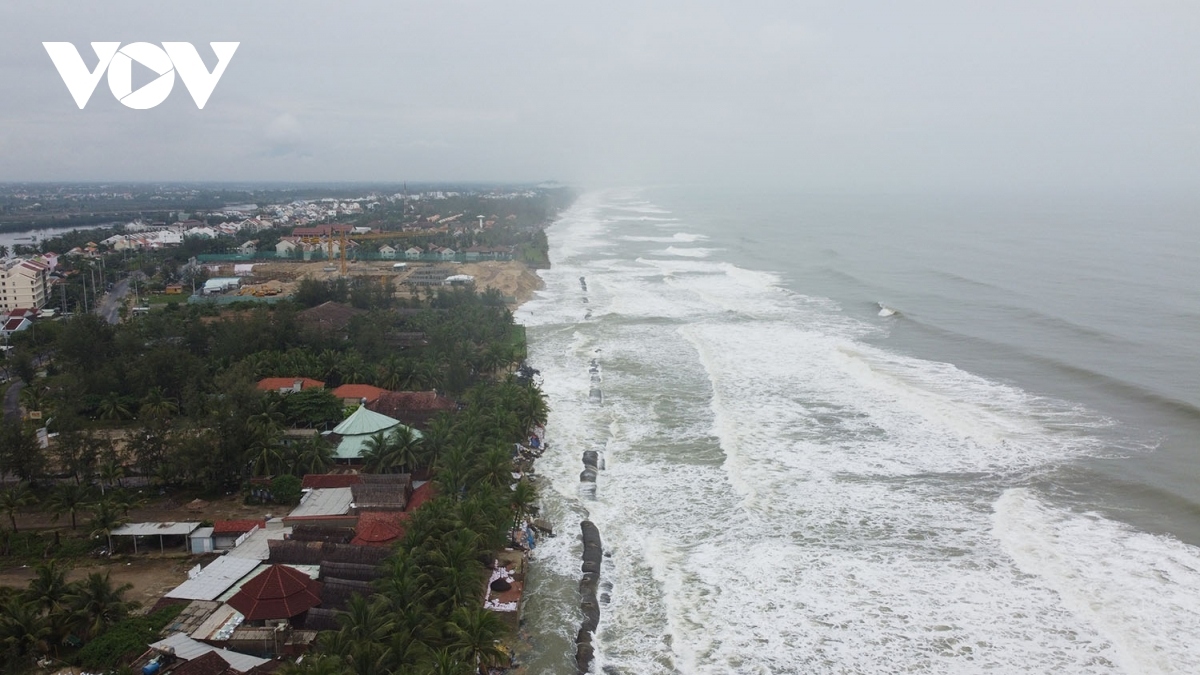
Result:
pixel 781 497
pixel 1141 591
pixel 683 237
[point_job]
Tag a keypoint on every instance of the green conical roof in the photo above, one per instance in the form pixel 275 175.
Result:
pixel 364 421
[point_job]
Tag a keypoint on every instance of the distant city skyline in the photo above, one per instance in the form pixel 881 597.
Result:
pixel 821 96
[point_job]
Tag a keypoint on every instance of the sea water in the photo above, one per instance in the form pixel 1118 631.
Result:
pixel 872 435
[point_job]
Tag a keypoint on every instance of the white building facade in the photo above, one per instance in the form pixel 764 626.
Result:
pixel 23 284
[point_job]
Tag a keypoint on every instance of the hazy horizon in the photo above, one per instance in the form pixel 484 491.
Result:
pixel 819 96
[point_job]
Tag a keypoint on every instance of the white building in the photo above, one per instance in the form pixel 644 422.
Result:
pixel 23 284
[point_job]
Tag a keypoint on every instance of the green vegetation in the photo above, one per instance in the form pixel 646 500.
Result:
pixel 51 615
pixel 171 397
pixel 125 640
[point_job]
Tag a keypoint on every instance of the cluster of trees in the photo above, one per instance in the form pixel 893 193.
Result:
pixel 52 613
pixel 180 385
pixel 426 616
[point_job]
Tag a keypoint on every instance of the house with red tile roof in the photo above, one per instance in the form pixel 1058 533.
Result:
pixel 356 394
pixel 287 385
pixel 413 408
pixel 227 534
pixel 317 481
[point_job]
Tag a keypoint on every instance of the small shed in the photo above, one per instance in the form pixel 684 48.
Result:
pixel 228 534
pixel 201 541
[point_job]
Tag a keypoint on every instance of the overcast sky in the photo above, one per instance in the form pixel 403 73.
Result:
pixel 828 95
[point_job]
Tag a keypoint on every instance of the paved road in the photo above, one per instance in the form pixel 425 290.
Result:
pixel 111 301
pixel 12 400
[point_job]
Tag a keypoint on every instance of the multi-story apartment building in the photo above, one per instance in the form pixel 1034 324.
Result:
pixel 23 284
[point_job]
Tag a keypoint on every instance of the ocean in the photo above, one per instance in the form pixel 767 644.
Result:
pixel 888 434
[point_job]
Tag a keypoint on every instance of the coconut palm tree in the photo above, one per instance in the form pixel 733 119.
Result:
pixel 157 405
pixel 390 373
pixel 364 633
pixel 264 455
pixel 24 630
pixel 314 455
pixel 69 498
pixel 267 419
pixel 111 407
pixel 49 589
pixel 477 634
pixel 436 440
pixel 406 447
pixel 106 517
pixel 523 497
pixel 495 468
pixel 444 662
pixel 110 472
pixel 377 453
pixel 13 499
pixel 98 605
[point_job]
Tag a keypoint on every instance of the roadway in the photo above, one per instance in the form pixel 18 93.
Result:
pixel 12 400
pixel 110 304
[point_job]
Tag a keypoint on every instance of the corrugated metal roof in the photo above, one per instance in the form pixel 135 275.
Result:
pixel 187 649
pixel 214 579
pixel 154 529
pixel 324 502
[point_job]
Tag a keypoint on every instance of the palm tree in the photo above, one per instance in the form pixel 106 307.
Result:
pixel 264 455
pixel 377 453
pixel 444 662
pixel 106 517
pixel 522 498
pixel 157 405
pixel 110 472
pixel 363 636
pixel 406 447
pixel 495 468
pixel 390 373
pixel 476 634
pixel 15 497
pixel 532 409
pixel 268 419
pixel 111 407
pixel 33 396
pixel 24 630
pixel 436 440
pixel 97 605
pixel 314 455
pixel 49 589
pixel 69 498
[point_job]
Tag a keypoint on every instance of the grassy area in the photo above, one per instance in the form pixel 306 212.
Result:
pixel 516 338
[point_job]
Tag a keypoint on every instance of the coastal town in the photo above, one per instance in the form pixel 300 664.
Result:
pixel 294 438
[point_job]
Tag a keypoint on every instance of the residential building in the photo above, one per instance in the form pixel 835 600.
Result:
pixel 23 283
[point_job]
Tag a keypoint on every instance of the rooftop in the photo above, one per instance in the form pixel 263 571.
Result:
pixel 188 649
pixel 237 526
pixel 323 502
pixel 359 391
pixel 278 383
pixel 215 579
pixel 281 592
pixel 330 480
pixel 154 529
